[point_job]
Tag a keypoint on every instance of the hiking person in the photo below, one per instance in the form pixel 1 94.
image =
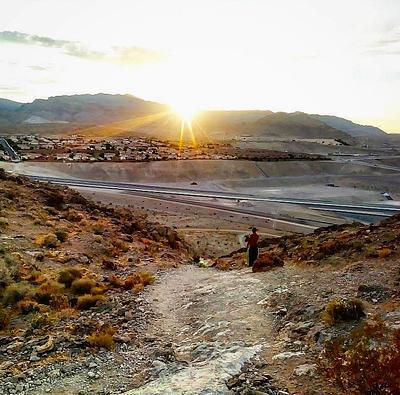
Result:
pixel 252 246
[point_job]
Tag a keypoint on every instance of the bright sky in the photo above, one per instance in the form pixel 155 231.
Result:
pixel 339 57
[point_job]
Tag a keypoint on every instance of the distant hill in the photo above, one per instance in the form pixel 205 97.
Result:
pixel 291 125
pixel 85 109
pixel 9 105
pixel 125 114
pixel 353 129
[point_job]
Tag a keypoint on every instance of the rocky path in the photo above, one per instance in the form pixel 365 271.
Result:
pixel 214 325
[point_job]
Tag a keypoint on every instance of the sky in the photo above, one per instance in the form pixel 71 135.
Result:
pixel 338 57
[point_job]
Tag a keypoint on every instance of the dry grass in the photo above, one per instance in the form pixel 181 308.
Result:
pixel 82 286
pixel 141 278
pixel 48 241
pixel 86 302
pixel 62 235
pixel 16 292
pixel 343 310
pixel 68 276
pixel 4 318
pixel 47 291
pixel 103 338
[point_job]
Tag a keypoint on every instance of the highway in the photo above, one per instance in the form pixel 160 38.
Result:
pixel 377 211
pixel 9 150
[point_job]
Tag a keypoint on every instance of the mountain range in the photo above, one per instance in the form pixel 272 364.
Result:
pixel 127 111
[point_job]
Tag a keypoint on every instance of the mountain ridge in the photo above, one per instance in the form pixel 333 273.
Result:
pixel 102 108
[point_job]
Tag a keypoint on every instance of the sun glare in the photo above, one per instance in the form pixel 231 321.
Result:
pixel 185 111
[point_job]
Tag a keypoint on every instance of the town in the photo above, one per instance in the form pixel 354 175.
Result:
pixel 76 148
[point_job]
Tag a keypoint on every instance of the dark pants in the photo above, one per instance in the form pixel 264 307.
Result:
pixel 253 254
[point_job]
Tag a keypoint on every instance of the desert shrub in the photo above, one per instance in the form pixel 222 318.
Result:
pixel 366 362
pixel 98 290
pixel 55 199
pixel 142 278
pixel 115 281
pixel 68 276
pixel 3 222
pixel 46 293
pixel 48 241
pixel 28 306
pixel 99 228
pixel 343 310
pixel 5 277
pixel 39 257
pixel 85 302
pixel 82 286
pixel 16 292
pixel 384 252
pixel 62 235
pixel 102 338
pixel 98 239
pixel 120 245
pixel 4 318
pixel 137 288
pixel 73 216
pixel 108 265
pixel 41 320
pixel 146 278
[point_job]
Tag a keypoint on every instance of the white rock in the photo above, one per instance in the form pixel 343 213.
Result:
pixel 286 355
pixel 306 369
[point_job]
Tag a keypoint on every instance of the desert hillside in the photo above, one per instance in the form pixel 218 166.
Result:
pixel 71 275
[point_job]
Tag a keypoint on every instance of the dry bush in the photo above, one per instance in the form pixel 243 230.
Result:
pixel 5 275
pixel 115 281
pixel 99 228
pixel 16 292
pixel 138 288
pixel 82 286
pixel 4 318
pixel 98 290
pixel 73 216
pixel 47 292
pixel 120 244
pixel 102 338
pixel 367 362
pixel 41 320
pixel 48 241
pixel 343 310
pixel 85 302
pixel 384 252
pixel 62 235
pixel 108 265
pixel 142 278
pixel 68 276
pixel 3 222
pixel 28 306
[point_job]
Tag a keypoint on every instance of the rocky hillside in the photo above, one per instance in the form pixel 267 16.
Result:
pixel 336 307
pixel 71 274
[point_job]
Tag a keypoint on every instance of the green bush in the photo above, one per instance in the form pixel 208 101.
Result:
pixel 343 310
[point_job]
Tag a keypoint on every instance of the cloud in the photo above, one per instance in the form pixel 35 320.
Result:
pixel 38 68
pixel 123 55
pixel 387 44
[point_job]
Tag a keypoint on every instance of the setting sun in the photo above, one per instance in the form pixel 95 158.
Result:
pixel 185 111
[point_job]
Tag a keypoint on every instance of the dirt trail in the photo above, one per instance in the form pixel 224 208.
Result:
pixel 214 324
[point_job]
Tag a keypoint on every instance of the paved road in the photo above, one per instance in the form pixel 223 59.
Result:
pixel 9 150
pixel 382 209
